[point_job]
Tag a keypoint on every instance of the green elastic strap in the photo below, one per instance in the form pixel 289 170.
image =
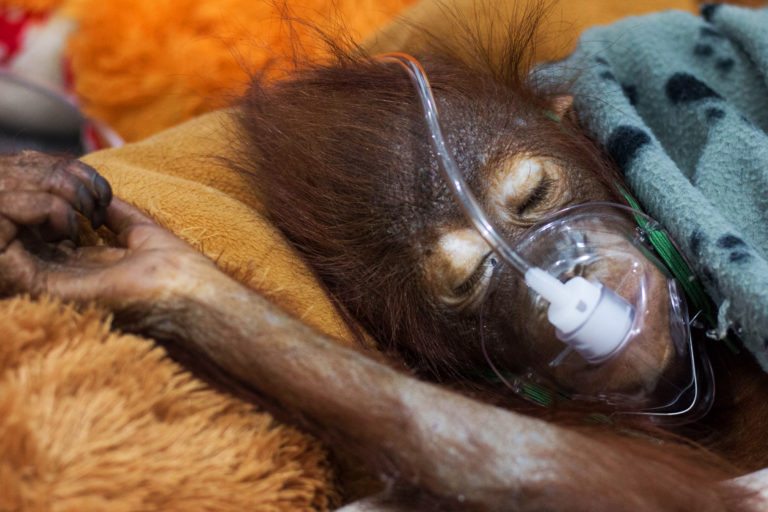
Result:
pixel 552 116
pixel 676 264
pixel 542 395
pixel 679 269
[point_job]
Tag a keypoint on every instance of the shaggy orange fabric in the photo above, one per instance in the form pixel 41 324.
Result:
pixel 145 65
pixel 91 420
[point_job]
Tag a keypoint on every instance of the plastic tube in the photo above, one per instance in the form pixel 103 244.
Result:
pixel 593 319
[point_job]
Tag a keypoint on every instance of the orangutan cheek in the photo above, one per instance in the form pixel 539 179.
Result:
pixel 518 334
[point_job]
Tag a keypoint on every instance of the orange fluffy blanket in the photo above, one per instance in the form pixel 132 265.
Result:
pixel 94 420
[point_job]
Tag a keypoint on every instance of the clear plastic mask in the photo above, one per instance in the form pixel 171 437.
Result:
pixel 657 369
pixel 622 335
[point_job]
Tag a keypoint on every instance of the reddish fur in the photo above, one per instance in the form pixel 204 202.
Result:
pixel 324 143
pixel 332 138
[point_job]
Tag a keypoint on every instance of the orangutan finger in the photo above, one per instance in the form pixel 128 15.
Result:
pixel 97 185
pixel 74 181
pixel 90 177
pixel 132 227
pixel 122 215
pixel 8 232
pixel 23 272
pixel 35 172
pixel 60 180
pixel 17 270
pixel 52 213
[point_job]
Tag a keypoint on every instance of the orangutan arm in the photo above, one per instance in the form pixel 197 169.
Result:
pixel 430 440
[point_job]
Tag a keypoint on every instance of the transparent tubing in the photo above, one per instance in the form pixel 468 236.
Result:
pixel 466 199
pixel 588 316
pixel 664 374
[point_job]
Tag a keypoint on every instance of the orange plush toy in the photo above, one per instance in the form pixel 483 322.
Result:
pixel 141 66
pixel 144 65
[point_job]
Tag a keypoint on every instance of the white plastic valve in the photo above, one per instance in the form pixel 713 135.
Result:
pixel 590 317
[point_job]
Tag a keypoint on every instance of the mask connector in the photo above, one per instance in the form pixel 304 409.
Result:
pixel 589 317
pixel 622 314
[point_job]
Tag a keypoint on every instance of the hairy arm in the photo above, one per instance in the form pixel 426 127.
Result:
pixel 448 447
pixel 451 448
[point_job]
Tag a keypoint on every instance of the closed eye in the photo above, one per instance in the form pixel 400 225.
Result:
pixel 476 283
pixel 460 268
pixel 536 197
pixel 522 188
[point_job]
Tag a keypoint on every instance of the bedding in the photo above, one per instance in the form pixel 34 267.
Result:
pixel 681 103
pixel 244 458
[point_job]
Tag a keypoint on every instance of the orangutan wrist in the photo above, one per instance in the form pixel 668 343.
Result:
pixel 179 279
pixel 159 301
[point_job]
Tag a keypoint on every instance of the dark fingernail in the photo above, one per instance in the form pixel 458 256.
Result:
pixel 84 202
pixel 103 189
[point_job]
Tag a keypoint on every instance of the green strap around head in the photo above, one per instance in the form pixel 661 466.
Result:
pixel 674 261
pixel 676 264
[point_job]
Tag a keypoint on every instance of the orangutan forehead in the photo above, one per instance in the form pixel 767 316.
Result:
pixel 478 137
pixel 418 195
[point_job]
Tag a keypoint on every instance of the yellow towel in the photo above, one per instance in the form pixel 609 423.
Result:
pixel 181 178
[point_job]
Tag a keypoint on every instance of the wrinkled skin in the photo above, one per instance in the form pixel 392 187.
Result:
pixel 455 451
pixel 39 196
pixel 399 255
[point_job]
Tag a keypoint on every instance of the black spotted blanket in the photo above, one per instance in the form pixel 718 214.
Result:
pixel 681 103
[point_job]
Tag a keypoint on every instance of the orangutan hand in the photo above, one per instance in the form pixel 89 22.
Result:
pixel 39 195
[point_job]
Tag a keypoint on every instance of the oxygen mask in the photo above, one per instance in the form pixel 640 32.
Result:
pixel 599 319
pixel 654 369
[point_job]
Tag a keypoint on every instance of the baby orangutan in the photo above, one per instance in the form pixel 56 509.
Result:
pixel 368 207
pixel 353 183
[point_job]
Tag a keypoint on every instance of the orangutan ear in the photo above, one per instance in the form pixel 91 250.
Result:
pixel 562 104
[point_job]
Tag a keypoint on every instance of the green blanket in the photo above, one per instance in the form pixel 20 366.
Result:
pixel 681 104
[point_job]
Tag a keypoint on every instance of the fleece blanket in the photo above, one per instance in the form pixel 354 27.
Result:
pixel 681 103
